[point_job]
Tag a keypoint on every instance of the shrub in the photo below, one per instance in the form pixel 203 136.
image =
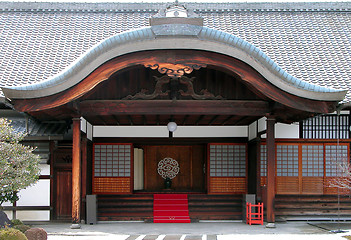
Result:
pixel 23 228
pixel 12 234
pixel 16 222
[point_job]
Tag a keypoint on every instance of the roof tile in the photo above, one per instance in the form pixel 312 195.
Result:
pixel 312 42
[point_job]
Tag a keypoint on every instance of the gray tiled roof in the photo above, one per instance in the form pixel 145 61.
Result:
pixel 311 41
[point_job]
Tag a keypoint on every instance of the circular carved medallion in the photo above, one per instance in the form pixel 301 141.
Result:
pixel 168 167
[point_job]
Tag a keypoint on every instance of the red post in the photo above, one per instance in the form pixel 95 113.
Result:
pixel 270 172
pixel 76 174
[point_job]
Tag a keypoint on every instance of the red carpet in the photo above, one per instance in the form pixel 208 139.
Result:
pixel 171 208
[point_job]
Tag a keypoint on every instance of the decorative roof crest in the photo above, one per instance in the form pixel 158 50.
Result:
pixel 176 14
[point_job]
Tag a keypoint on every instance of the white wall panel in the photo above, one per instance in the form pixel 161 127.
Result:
pixel 262 124
pixel 213 131
pixel 33 215
pixel 127 131
pixel 37 195
pixel 253 130
pixel 44 169
pixel 89 131
pixel 287 130
pixel 83 125
pixel 161 131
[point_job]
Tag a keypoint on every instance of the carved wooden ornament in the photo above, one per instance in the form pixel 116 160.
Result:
pixel 175 70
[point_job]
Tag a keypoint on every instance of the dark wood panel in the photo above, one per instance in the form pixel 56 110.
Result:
pixel 63 189
pixel 190 160
pixel 162 107
pixel 198 168
pixel 304 207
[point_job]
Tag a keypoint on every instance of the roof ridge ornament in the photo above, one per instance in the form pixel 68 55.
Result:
pixel 176 13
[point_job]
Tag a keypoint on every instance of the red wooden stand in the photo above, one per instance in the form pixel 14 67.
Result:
pixel 254 213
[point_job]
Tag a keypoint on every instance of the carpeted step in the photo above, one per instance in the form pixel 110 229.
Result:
pixel 171 208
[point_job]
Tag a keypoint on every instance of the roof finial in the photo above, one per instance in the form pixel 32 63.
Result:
pixel 176 3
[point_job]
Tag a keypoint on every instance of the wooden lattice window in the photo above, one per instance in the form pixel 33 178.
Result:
pixel 227 160
pixel 112 168
pixel 306 168
pixel 326 127
pixel 287 160
pixel 112 160
pixel 312 161
pixel 227 168
pixel 263 160
pixel 334 155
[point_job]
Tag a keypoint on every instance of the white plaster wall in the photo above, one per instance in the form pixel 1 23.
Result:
pixel 33 215
pixel 252 130
pixel 36 195
pixel 261 124
pixel 161 131
pixel 83 125
pixel 213 131
pixel 127 131
pixel 45 169
pixel 287 130
pixel 89 131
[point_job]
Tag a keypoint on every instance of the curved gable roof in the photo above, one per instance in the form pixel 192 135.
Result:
pixel 310 40
pixel 167 37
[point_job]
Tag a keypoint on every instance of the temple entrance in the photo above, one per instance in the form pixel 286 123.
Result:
pixel 191 162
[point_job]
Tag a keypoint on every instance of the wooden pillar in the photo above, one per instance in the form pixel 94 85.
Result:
pixel 270 172
pixel 76 174
pixel 52 186
pixel 84 175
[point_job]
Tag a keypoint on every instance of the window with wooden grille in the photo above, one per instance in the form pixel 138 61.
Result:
pixel 112 168
pixel 287 160
pixel 305 168
pixel 326 127
pixel 227 168
pixel 334 155
pixel 312 160
pixel 263 160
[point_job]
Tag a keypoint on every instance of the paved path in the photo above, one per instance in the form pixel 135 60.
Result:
pixel 191 231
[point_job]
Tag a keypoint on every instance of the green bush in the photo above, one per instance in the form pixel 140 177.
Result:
pixel 16 222
pixel 12 234
pixel 23 228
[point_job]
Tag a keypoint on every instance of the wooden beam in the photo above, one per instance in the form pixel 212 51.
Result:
pixel 76 174
pixel 270 170
pixel 199 119
pixel 116 119
pixel 164 107
pixel 157 119
pixel 227 119
pixel 184 120
pixel 213 119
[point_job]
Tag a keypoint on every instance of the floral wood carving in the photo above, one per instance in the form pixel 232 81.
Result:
pixel 206 95
pixel 175 70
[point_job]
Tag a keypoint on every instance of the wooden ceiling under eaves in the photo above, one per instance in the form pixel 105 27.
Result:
pixel 215 90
